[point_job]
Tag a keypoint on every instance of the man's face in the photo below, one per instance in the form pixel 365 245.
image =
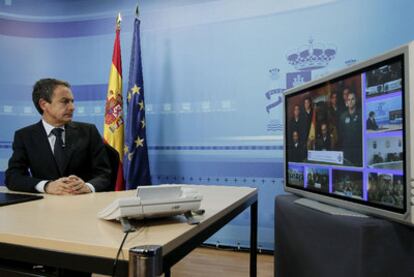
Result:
pixel 295 137
pixel 60 110
pixel 351 101
pixel 333 100
pixel 345 94
pixel 296 111
pixel 307 104
pixel 324 130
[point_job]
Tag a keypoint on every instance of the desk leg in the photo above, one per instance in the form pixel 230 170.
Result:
pixel 253 239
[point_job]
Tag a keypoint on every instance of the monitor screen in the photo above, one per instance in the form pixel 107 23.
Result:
pixel 344 137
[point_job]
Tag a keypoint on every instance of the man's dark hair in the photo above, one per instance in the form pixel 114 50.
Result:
pixel 352 92
pixel 43 89
pixel 308 98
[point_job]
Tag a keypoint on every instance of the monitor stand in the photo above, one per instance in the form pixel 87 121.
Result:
pixel 328 209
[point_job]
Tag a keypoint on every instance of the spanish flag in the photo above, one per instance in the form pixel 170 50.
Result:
pixel 312 132
pixel 114 115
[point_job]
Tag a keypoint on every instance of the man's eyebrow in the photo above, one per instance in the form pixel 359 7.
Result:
pixel 67 98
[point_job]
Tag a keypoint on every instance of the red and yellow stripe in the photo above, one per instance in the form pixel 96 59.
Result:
pixel 114 115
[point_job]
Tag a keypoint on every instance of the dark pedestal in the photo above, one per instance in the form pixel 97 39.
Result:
pixel 315 244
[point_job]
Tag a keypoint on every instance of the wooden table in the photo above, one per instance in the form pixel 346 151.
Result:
pixel 64 231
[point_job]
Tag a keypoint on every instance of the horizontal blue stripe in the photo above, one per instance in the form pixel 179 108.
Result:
pixel 82 28
pixel 383 96
pixel 90 92
pixel 7 144
pixel 214 180
pixel 216 147
pixel 213 173
pixel 391 134
pixel 200 169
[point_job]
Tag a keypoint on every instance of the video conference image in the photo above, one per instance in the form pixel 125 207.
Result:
pixel 347 183
pixel 384 114
pixel 386 189
pixel 325 124
pixel 385 152
pixel 345 137
pixel 383 80
pixel 317 179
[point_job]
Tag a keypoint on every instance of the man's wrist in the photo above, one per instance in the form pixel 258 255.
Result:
pixel 40 187
pixel 90 186
pixel 46 185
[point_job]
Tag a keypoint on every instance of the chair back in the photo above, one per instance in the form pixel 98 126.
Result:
pixel 113 157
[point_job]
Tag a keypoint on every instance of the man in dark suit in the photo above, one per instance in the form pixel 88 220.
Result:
pixel 296 151
pixel 57 155
pixel 371 122
pixel 307 117
pixel 324 142
pixel 350 131
pixel 297 123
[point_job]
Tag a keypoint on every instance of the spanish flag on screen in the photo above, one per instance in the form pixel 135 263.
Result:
pixel 114 115
pixel 312 132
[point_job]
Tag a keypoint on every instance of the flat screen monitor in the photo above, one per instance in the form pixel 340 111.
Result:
pixel 347 137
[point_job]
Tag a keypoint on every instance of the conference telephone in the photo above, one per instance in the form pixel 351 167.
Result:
pixel 154 201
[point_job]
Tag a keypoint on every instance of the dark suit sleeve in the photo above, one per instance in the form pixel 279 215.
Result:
pixel 17 174
pixel 101 169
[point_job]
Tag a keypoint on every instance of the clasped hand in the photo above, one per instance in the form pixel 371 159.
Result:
pixel 67 185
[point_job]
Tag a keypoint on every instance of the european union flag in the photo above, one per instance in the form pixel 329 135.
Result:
pixel 136 165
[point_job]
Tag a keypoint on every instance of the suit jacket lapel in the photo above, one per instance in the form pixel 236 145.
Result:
pixel 71 133
pixel 44 147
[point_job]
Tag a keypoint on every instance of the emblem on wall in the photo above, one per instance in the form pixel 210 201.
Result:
pixel 304 59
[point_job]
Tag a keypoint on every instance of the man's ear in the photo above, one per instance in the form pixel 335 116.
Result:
pixel 43 103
